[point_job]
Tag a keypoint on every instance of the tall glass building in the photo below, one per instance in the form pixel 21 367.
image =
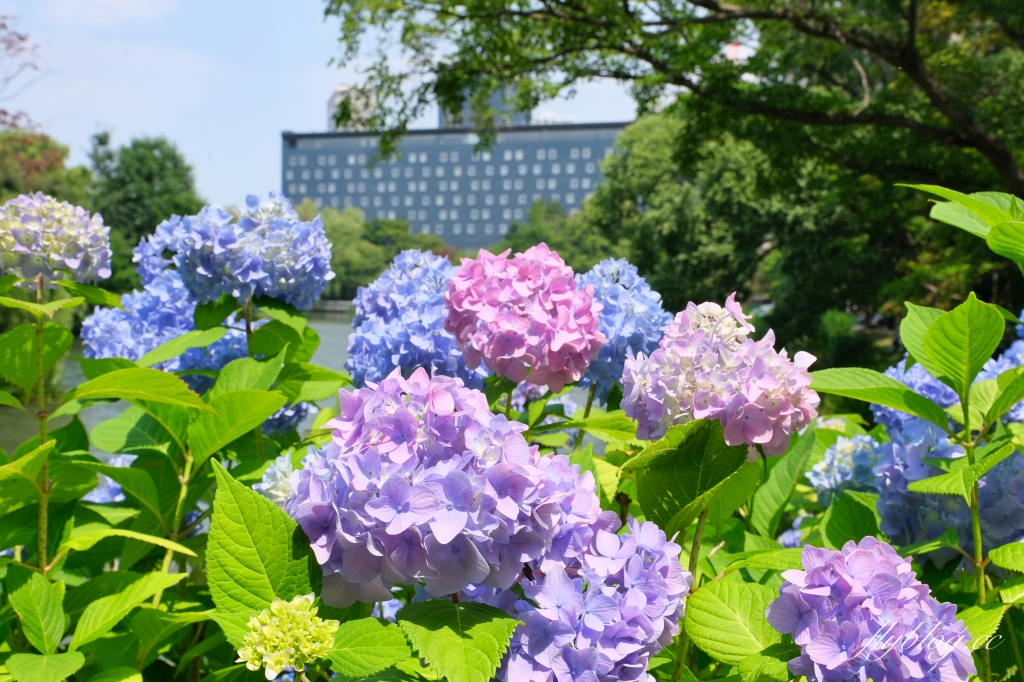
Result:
pixel 440 184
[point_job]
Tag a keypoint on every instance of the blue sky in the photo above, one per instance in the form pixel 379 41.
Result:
pixel 220 78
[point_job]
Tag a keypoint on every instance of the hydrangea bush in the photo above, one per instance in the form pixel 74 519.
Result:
pixel 434 522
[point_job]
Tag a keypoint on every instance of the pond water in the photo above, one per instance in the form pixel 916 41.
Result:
pixel 17 427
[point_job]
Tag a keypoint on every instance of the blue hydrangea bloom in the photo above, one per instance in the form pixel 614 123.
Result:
pixel 268 251
pixel 847 465
pixel 1011 359
pixel 288 418
pixel 632 319
pixel 917 378
pixel 794 537
pixel 399 323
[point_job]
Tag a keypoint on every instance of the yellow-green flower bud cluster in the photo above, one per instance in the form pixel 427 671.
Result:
pixel 288 634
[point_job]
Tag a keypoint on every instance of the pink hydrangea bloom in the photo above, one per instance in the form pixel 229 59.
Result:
pixel 707 368
pixel 524 317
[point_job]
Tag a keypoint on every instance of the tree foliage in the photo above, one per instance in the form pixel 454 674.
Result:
pixel 34 162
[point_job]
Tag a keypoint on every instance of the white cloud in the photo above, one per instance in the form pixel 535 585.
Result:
pixel 109 12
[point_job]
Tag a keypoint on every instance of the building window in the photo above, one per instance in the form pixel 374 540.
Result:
pixel 332 188
pixel 391 215
pixel 302 160
pixel 407 201
pixel 350 188
pixel 335 201
pixel 474 214
pixel 489 199
pixel 293 161
pixel 395 171
pixel 332 160
pixel 457 171
pixel 454 185
pixel 335 174
pixel 439 229
pixel 471 229
pixel 486 185
pixel 590 168
pixel 364 201
pixel 540 183
pixel 408 171
pixel 426 171
pixel 378 172
pixel 537 169
pixel 305 175
pixel 556 197
pixel 503 228
pixel 453 214
pixel 521 198
pixel 443 157
pixel 321 160
pixel 362 159
pixel 507 185
pixel 488 170
pixel 471 171
pixel 570 198
pixel 439 200
pixel 425 229
pixel 411 215
pixel 443 186
pixel 425 200
pixel 347 201
pixel 507 214
pixel 453 157
pixel 457 200
pixel 364 174
pixel 556 169
pixel 423 185
pixel 289 175
pixel 518 214
pixel 361 187
pixel 474 185
pixel 291 188
pixel 585 152
pixel 552 154
pixel 541 154
pixel 394 200
pixel 381 187
pixel 392 186
pixel 319 201
pixel 486 156
pixel 552 183
pixel 348 173
pixel 382 214
pixel 474 156
pixel 574 183
pixel 522 169
pixel 439 171
pixel 471 200
pixel 519 155
pixel 321 188
pixel 519 184
pixel 503 170
pixel 489 228
pixel 507 155
pixel 412 186
pixel 485 214
pixel 351 159
pixel 585 184
pixel 443 214
pixel 318 174
pixel 503 199
pixel 423 214
pixel 570 168
pixel 456 229
pixel 378 201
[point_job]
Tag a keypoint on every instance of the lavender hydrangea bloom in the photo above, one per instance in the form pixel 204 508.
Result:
pixel 861 613
pixel 421 482
pixel 399 323
pixel 632 319
pixel 108 490
pixel 794 537
pixel 847 465
pixel 268 251
pixel 41 236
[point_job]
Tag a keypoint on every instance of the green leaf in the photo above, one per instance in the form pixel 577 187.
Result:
pixel 21 477
pixel 18 352
pixel 613 427
pixel 987 215
pixel 42 309
pixel 103 614
pixel 913 328
pixel 367 646
pixel 94 367
pixel 464 642
pixel 961 341
pixel 302 382
pixel 983 620
pixel 212 314
pixel 272 338
pixel 719 500
pixel 1009 556
pixel 770 665
pixel 960 481
pixel 982 397
pixel 9 400
pixel 726 619
pixel 152 627
pixel 389 675
pixel 131 432
pixel 247 374
pixel 140 384
pixel 949 538
pixel 776 560
pixel 34 668
pixel 235 627
pixel 771 499
pixel 39 605
pixel 119 674
pixel 136 484
pixel 91 294
pixel 1010 394
pixel 674 478
pixel 875 387
pixel 209 642
pixel 87 540
pixel 1007 239
pixel 198 338
pixel 236 413
pixel 282 312
pixel 256 552
pixel 7 283
pixel 847 519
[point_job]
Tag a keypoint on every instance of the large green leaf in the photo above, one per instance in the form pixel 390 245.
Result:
pixel 136 484
pixel 1011 392
pixel 103 614
pixel 282 312
pixel 18 352
pixel 726 619
pixel 303 382
pixel 35 668
pixel 675 478
pixel 949 538
pixel 847 519
pixel 913 328
pixel 1009 556
pixel 91 294
pixel 272 338
pixel 131 432
pixel 960 481
pixel 140 384
pixel 212 314
pixel 198 338
pixel 42 309
pixel 39 605
pixel 875 387
pixel 983 620
pixel 152 627
pixel 256 552
pixel 367 646
pixel 770 665
pixel 961 341
pixel 118 674
pixel 1007 239
pixel 236 413
pixel 247 374
pixel 776 560
pixel 87 540
pixel 463 642
pixel 771 498
pixel 19 480
pixel 985 214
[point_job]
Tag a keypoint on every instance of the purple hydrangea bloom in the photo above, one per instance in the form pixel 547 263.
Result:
pixel 399 323
pixel 632 320
pixel 268 251
pixel 42 236
pixel 421 482
pixel 861 613
pixel 847 465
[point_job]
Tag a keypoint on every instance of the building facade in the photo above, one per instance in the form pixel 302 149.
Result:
pixel 440 184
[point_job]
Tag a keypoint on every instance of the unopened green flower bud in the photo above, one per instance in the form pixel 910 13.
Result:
pixel 288 634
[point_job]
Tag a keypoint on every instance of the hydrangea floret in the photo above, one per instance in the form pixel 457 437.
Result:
pixel 268 252
pixel 707 367
pixel 276 484
pixel 524 317
pixel 42 236
pixel 631 319
pixel 861 613
pixel 421 482
pixel 399 323
pixel 848 464
pixel 287 635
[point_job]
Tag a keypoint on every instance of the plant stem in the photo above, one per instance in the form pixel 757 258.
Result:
pixel 1015 645
pixel 508 404
pixel 44 475
pixel 979 554
pixel 258 431
pixel 684 640
pixel 179 513
pixel 586 413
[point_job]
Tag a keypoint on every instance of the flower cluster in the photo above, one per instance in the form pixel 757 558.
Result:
pixel 268 251
pixel 861 613
pixel 918 379
pixel 794 536
pixel 605 608
pixel 40 236
pixel 632 320
pixel 706 367
pixel 287 635
pixel 276 484
pixel 421 482
pixel 847 465
pixel 288 418
pixel 525 317
pixel 399 323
